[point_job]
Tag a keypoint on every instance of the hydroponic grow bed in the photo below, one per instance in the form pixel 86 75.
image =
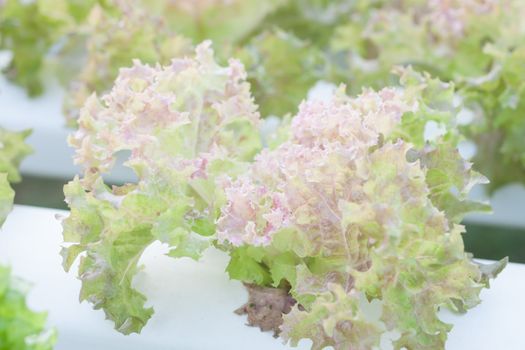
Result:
pixel 194 301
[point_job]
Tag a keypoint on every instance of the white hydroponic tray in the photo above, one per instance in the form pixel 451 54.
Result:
pixel 194 301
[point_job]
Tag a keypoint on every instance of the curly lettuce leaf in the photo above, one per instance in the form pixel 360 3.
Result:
pixel 450 179
pixel 187 125
pixel 343 327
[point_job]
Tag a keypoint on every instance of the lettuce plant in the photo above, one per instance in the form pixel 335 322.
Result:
pixel 353 205
pixel 186 125
pixel 355 208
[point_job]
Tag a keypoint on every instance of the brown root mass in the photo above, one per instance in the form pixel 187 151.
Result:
pixel 265 307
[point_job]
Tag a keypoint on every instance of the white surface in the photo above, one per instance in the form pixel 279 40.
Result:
pixel 508 206
pixel 194 301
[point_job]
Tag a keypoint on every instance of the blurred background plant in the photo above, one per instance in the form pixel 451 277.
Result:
pixel 20 327
pixel 283 43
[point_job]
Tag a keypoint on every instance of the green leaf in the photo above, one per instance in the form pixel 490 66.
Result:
pixel 13 150
pixel 450 179
pixel 7 195
pixel 20 327
pixel 180 232
pixel 246 265
pixel 283 268
pixel 114 244
pixel 434 100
